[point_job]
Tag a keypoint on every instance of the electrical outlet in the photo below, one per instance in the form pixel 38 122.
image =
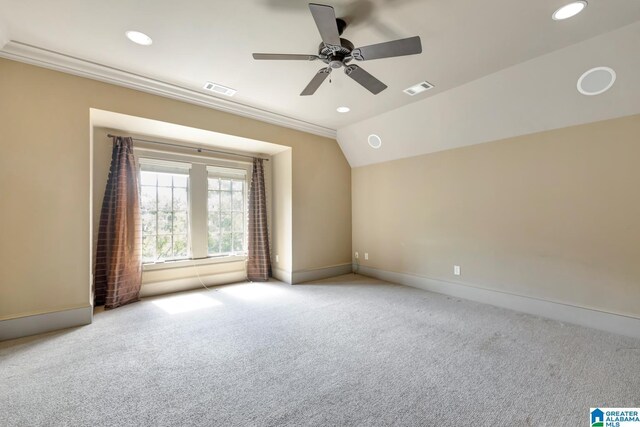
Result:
pixel 277 258
pixel 456 270
pixel 356 255
pixel 366 255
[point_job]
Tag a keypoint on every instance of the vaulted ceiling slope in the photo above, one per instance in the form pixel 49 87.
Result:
pixel 467 44
pixel 533 96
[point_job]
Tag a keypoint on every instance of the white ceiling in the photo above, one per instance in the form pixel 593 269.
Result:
pixel 199 40
pixel 533 96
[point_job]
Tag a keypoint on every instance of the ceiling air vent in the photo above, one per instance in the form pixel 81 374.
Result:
pixel 420 87
pixel 219 89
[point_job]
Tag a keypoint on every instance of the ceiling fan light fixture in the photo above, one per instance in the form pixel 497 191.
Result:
pixel 343 109
pixel 569 10
pixel 139 38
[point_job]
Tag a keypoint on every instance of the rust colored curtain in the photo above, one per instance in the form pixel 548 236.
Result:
pixel 259 264
pixel 118 270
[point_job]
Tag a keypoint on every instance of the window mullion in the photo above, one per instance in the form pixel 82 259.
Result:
pixel 197 193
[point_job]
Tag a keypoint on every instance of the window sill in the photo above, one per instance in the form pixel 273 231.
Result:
pixel 182 263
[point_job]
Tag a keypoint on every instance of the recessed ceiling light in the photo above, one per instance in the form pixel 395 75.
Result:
pixel 596 81
pixel 139 38
pixel 343 109
pixel 569 10
pixel 374 141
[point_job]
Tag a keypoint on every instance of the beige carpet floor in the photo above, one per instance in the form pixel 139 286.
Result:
pixel 346 351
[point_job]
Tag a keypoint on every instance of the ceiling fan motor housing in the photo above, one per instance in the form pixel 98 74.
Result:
pixel 334 56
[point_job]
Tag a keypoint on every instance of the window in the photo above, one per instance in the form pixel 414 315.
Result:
pixel 191 210
pixel 227 211
pixel 164 202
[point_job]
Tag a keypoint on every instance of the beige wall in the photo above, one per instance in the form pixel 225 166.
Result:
pixel 318 207
pixel 45 182
pixel 282 239
pixel 554 215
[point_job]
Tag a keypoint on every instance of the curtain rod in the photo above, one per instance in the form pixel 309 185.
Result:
pixel 199 150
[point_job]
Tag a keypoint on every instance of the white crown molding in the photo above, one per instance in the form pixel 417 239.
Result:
pixel 41 57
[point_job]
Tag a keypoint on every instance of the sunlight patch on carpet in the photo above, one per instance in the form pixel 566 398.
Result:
pixel 185 303
pixel 252 291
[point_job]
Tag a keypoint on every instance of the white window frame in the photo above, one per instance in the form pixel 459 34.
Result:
pixel 235 174
pixel 199 169
pixel 175 168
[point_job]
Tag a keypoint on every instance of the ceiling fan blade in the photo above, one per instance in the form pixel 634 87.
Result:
pixel 325 18
pixel 402 47
pixel 285 56
pixel 316 81
pixel 369 82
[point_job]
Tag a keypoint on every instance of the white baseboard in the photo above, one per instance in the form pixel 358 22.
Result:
pixel 282 275
pixel 610 322
pixel 302 276
pixel 46 322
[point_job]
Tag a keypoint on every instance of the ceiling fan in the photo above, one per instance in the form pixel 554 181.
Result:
pixel 337 52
